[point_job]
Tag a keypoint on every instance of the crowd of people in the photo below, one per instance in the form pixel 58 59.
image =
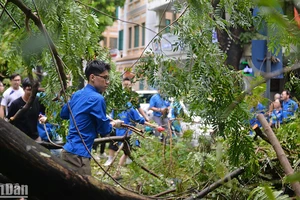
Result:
pixel 86 112
pixel 281 110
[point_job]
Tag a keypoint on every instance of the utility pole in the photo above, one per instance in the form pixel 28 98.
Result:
pixel 268 70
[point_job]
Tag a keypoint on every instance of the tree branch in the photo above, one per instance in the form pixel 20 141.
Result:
pixel 27 11
pixel 25 162
pixel 9 15
pixel 265 138
pixel 217 184
pixel 28 103
pixel 279 151
pixel 48 145
pixel 145 169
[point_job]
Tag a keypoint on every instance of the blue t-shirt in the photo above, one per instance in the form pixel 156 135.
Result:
pixel 130 117
pixel 89 110
pixel 158 102
pixel 276 116
pixel 289 108
pixel 51 129
pixel 260 109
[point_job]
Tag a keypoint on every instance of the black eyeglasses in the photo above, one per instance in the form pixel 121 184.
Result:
pixel 106 78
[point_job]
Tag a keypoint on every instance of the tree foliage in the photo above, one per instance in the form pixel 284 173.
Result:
pixel 206 81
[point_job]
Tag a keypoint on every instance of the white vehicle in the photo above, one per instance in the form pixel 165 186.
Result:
pixel 145 96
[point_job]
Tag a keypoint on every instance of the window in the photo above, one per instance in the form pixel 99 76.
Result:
pixel 168 22
pixel 113 43
pixel 105 41
pixel 130 36
pixel 141 84
pixel 117 12
pixel 121 33
pixel 143 34
pixel 136 35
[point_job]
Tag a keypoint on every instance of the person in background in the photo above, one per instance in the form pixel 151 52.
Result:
pixel 276 115
pixel 289 107
pixel 27 120
pixel 160 108
pixel 176 108
pixel 130 117
pixel 48 131
pixel 89 110
pixel 127 85
pixel 11 94
pixel 277 96
pixel 259 109
pixel 1 90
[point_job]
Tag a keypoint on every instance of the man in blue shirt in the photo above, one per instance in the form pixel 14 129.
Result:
pixel 89 110
pixel 129 116
pixel 259 109
pixel 160 108
pixel 289 106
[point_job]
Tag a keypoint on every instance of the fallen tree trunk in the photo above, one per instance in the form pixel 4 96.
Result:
pixel 4 179
pixel 25 162
pixel 217 184
pixel 279 151
pixel 263 136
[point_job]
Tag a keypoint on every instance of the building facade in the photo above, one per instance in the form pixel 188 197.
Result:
pixel 110 39
pixel 140 21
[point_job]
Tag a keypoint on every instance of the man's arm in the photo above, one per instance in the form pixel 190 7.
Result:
pixel 295 107
pixel 2 112
pixel 141 111
pixel 64 113
pixel 12 110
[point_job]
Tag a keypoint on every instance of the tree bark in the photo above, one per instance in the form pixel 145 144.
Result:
pixel 25 162
pixel 279 151
pixel 232 47
pixel 217 184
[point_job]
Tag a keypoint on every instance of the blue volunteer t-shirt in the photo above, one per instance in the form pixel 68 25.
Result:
pixel 130 117
pixel 158 102
pixel 89 110
pixel 289 108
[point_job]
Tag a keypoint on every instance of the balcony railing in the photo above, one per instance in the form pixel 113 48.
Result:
pixel 156 5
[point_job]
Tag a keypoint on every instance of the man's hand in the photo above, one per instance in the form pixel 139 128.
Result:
pixel 117 123
pixel 164 111
pixel 42 119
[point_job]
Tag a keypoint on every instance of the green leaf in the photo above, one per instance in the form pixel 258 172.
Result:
pixel 293 178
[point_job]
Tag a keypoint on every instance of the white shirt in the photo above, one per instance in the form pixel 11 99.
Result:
pixel 10 95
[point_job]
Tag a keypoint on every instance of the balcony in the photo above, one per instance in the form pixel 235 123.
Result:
pixel 158 5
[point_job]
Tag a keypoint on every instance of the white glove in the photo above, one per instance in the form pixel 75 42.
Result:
pixel 118 123
pixel 42 120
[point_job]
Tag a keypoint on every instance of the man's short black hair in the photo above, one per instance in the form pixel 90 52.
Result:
pixel 287 92
pixel 26 83
pixel 14 76
pixel 96 67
